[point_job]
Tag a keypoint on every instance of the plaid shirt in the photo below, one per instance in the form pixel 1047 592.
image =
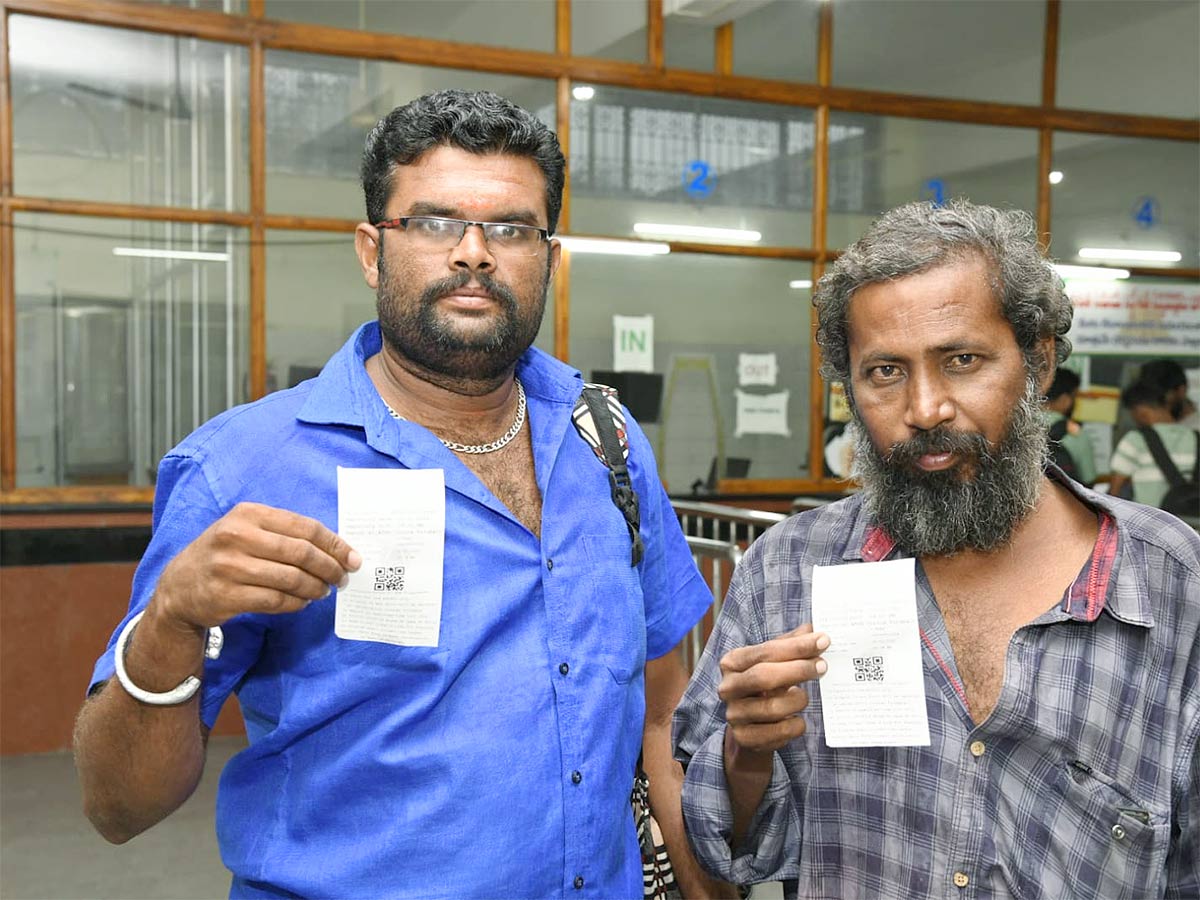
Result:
pixel 1083 782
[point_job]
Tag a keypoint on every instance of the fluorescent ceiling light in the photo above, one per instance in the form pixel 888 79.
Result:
pixel 1091 273
pixel 613 247
pixel 583 92
pixel 697 231
pixel 1136 255
pixel 800 284
pixel 1056 177
pixel 196 255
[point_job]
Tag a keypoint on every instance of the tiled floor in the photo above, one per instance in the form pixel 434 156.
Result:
pixel 48 851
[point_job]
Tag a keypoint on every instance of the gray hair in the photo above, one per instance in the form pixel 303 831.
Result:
pixel 917 237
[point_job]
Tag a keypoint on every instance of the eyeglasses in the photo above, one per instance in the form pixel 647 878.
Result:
pixel 437 233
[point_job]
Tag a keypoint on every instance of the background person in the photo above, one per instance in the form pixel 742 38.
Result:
pixel 1171 379
pixel 1070 448
pixel 1132 461
pixel 1058 627
pixel 499 762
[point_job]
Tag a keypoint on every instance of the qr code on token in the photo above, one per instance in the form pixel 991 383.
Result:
pixel 389 578
pixel 868 668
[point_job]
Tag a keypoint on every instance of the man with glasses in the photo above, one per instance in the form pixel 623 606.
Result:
pixel 499 762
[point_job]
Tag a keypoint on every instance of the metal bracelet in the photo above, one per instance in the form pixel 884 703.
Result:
pixel 181 693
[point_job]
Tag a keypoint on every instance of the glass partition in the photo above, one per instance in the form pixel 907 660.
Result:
pixel 519 24
pixel 982 50
pixel 728 358
pixel 643 157
pixel 123 116
pixel 778 40
pixel 613 29
pixel 1126 194
pixel 130 334
pixel 321 108
pixel 1136 58
pixel 878 162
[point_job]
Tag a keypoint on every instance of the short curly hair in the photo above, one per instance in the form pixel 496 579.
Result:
pixel 476 121
pixel 917 237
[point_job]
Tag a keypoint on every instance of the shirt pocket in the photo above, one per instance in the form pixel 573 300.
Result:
pixel 1113 844
pixel 616 609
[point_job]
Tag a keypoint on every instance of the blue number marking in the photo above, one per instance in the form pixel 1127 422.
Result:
pixel 698 179
pixel 935 191
pixel 1146 212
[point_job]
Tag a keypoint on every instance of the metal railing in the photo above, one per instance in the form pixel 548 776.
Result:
pixel 717 536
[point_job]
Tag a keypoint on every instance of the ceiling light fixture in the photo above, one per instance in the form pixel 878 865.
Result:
pixel 1056 176
pixel 193 255
pixel 1133 255
pixel 1091 273
pixel 613 247
pixel 702 232
pixel 800 284
pixel 583 92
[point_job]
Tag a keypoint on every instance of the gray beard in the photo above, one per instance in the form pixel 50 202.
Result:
pixel 945 512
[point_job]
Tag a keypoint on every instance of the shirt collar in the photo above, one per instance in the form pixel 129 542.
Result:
pixel 1095 590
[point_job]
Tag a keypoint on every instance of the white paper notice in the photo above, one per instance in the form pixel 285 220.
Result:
pixel 873 694
pixel 633 343
pixel 761 413
pixel 395 518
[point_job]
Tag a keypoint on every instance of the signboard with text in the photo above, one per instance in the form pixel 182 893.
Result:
pixel 1146 319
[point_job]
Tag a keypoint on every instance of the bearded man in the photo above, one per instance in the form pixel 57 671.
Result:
pixel 1057 627
pixel 499 760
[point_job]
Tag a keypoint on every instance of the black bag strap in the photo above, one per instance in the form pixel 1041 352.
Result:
pixel 623 495
pixel 1162 458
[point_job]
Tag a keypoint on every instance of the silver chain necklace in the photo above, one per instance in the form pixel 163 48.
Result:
pixel 502 441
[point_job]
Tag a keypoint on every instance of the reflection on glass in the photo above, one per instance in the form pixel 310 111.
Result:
pixel 235 7
pixel 321 108
pixel 878 162
pixel 519 24
pixel 983 50
pixel 641 156
pixel 316 298
pixel 1136 58
pixel 1126 193
pixel 778 40
pixel 613 29
pixel 708 311
pixel 120 355
pixel 126 116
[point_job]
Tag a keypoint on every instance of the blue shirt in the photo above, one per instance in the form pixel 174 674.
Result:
pixel 1083 782
pixel 496 764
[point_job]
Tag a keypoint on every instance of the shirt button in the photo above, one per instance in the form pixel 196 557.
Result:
pixel 563 668
pixel 550 564
pixel 579 882
pixel 1118 832
pixel 961 880
pixel 978 748
pixel 577 777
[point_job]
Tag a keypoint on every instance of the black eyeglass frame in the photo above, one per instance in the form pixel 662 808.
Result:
pixel 401 222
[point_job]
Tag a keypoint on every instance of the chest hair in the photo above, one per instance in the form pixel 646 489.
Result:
pixel 508 474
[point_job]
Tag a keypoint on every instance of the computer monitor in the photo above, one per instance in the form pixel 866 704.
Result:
pixel 641 392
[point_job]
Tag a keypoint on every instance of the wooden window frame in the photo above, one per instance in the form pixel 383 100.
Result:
pixel 260 34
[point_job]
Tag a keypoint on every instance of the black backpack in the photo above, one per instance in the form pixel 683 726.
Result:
pixel 1183 496
pixel 1059 454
